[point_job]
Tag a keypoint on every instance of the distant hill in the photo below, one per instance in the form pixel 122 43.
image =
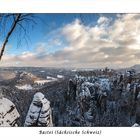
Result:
pixel 7 75
pixel 27 78
pixel 136 67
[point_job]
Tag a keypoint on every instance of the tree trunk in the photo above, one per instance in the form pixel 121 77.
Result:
pixel 16 20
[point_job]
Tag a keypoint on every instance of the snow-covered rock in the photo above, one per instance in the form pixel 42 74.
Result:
pixel 128 87
pixel 138 97
pixel 136 125
pixel 87 84
pixel 39 113
pixel 8 113
pixel 85 92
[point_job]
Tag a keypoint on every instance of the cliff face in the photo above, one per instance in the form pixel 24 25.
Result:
pixel 8 113
pixel 39 113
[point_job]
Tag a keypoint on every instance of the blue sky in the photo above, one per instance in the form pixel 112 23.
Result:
pixel 77 40
pixel 46 24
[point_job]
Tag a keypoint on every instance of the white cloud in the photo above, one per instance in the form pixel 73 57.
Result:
pixel 40 47
pixel 103 21
pixel 114 43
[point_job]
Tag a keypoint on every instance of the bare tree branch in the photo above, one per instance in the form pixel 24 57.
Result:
pixel 20 20
pixel 17 17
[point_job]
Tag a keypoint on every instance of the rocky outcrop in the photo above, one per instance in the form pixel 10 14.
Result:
pixel 90 102
pixel 39 113
pixel 106 100
pixel 138 109
pixel 71 94
pixel 8 113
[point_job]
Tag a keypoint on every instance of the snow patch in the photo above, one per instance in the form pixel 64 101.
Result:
pixel 50 78
pixel 60 76
pixel 136 125
pixel 24 87
pixel 41 82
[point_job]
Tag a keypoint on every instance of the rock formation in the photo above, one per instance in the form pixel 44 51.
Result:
pixel 39 113
pixel 105 100
pixel 8 113
pixel 71 95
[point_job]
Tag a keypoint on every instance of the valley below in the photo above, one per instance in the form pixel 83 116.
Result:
pixel 103 97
